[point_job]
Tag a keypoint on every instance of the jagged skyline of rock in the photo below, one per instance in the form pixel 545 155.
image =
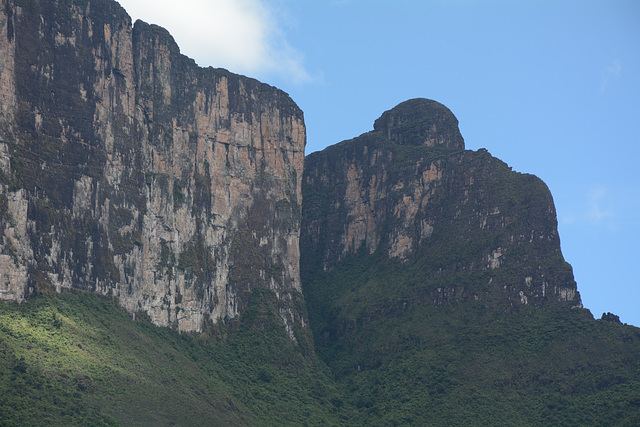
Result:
pixel 594 198
pixel 541 85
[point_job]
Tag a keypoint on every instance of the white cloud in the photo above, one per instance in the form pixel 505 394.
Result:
pixel 595 211
pixel 241 35
pixel 611 71
pixel 568 219
pixel 596 214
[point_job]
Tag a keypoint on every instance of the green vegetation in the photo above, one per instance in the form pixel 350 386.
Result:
pixel 443 337
pixel 77 359
pixel 399 359
pixel 391 359
pixel 178 197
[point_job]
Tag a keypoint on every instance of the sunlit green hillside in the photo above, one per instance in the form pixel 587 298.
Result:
pixel 77 359
pixel 467 364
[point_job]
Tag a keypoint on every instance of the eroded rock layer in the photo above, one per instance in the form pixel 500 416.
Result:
pixel 128 170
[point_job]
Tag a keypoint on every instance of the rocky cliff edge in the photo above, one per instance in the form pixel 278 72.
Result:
pixel 457 225
pixel 127 170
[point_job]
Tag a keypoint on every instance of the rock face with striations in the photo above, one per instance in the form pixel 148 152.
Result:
pixel 128 170
pixel 460 222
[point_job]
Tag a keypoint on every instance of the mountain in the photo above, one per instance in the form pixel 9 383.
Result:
pixel 129 171
pixel 451 226
pixel 168 256
pixel 437 292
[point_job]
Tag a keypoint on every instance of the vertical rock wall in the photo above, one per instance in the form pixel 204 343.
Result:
pixel 464 224
pixel 130 171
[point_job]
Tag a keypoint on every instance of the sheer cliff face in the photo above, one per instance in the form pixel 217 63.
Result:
pixel 461 223
pixel 128 170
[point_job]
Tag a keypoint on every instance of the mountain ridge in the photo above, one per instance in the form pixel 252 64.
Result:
pixel 170 256
pixel 438 294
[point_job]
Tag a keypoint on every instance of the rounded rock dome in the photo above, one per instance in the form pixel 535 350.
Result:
pixel 420 121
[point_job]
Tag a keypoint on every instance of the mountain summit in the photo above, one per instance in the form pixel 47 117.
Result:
pixel 420 122
pixel 408 193
pixel 437 292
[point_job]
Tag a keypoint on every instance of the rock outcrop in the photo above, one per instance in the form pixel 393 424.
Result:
pixel 128 170
pixel 464 224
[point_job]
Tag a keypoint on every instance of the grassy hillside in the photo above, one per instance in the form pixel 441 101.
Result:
pixel 77 359
pixel 402 361
pixel 437 293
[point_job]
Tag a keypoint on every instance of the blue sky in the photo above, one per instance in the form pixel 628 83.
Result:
pixel 550 87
